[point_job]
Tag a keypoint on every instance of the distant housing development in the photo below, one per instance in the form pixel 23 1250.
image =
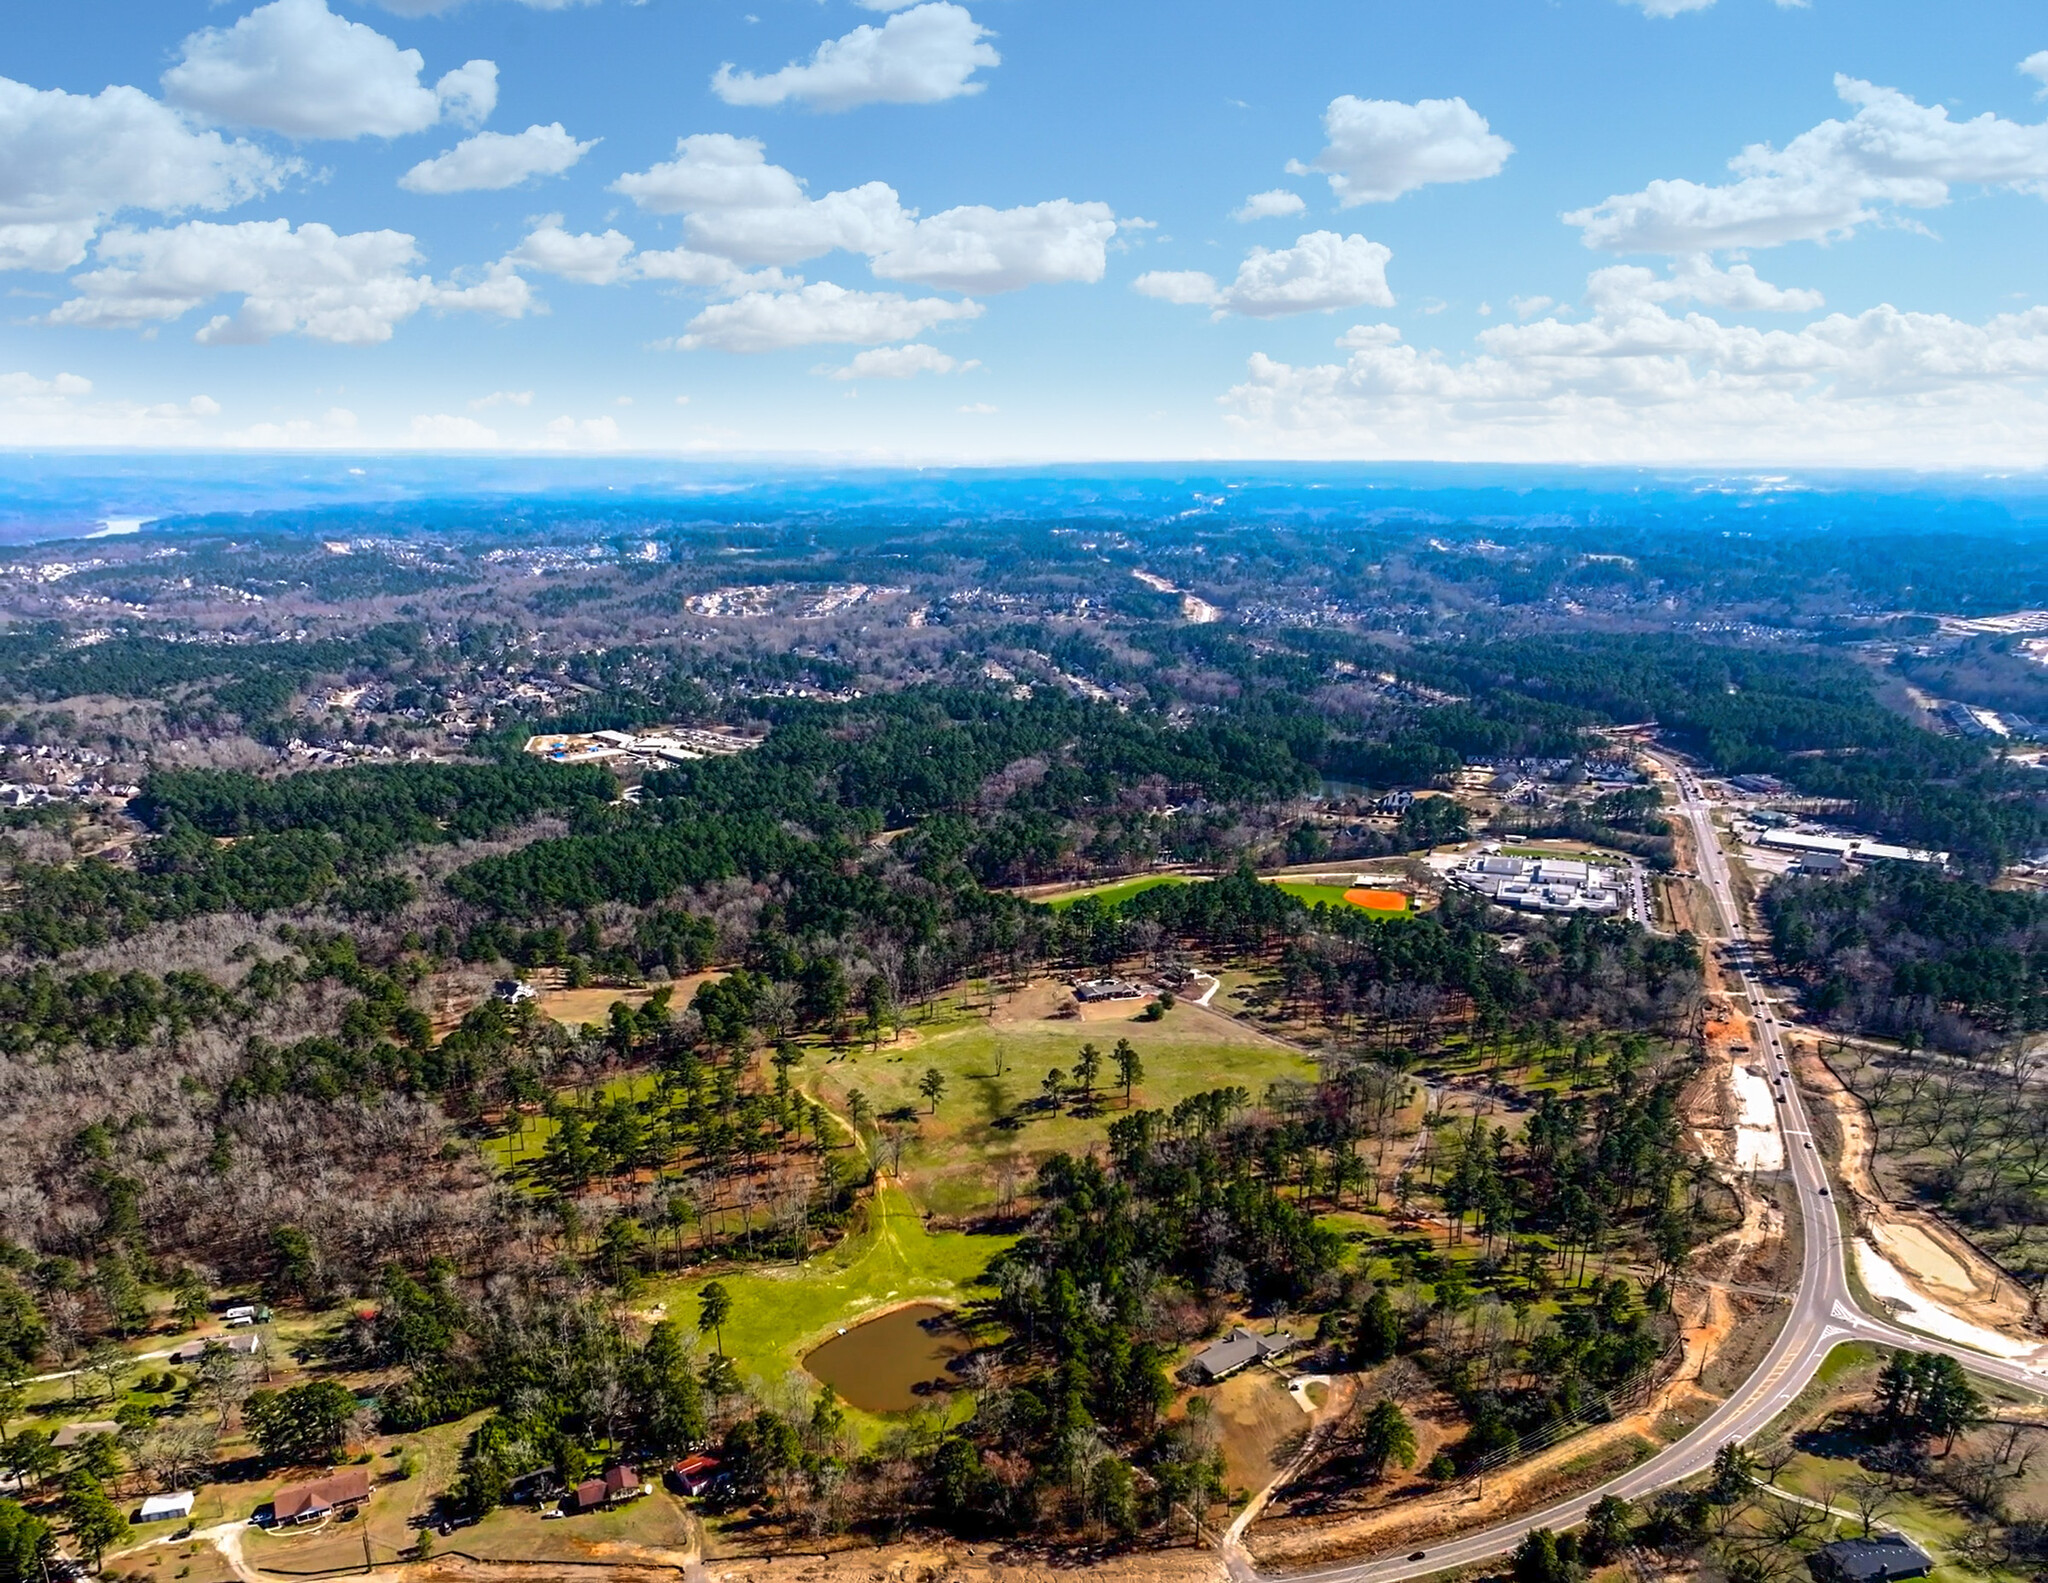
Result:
pixel 1543 884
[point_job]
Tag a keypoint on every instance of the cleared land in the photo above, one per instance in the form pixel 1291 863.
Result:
pixel 995 1119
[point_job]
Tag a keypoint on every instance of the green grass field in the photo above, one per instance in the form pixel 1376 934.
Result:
pixel 1121 890
pixel 523 1144
pixel 779 1314
pixel 1333 895
pixel 989 1119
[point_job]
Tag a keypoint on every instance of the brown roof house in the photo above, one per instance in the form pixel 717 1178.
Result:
pixel 618 1484
pixel 337 1494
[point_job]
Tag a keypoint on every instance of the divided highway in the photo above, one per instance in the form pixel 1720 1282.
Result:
pixel 1824 1313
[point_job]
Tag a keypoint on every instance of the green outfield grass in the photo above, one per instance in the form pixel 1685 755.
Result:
pixel 1121 890
pixel 1332 895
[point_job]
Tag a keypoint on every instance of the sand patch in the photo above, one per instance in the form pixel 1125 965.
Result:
pixel 1921 1313
pixel 1759 1142
pixel 1917 1253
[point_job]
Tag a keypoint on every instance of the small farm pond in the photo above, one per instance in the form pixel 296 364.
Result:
pixel 894 1362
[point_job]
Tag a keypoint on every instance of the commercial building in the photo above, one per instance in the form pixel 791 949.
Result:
pixel 1849 848
pixel 1546 884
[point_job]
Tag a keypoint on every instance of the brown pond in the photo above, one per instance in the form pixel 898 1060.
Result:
pixel 892 1363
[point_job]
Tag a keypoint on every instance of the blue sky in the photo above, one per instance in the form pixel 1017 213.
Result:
pixel 1015 229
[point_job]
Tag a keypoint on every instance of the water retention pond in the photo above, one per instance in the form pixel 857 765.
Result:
pixel 894 1362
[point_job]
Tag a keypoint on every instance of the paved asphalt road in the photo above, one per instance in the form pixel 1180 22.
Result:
pixel 1824 1314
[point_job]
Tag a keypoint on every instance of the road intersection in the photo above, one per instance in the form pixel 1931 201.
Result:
pixel 1824 1314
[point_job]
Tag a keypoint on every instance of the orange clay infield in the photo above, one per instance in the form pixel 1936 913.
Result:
pixel 1378 900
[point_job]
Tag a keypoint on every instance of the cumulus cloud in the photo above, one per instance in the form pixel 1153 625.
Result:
pixel 2036 67
pixel 1323 271
pixel 919 56
pixel 1379 149
pixel 737 206
pixel 1268 206
pixel 977 248
pixel 1695 279
pixel 347 289
pixel 772 321
pixel 56 410
pixel 1635 382
pixel 1892 153
pixel 593 260
pixel 900 362
pixel 293 66
pixel 74 161
pixel 491 161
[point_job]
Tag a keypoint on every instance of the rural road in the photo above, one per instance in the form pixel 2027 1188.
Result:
pixel 1824 1312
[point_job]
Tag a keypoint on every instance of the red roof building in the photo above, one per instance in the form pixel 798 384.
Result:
pixel 317 1498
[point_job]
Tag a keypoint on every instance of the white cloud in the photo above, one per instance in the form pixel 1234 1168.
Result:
pixel 976 248
pixel 1321 272
pixel 737 206
pixel 491 161
pixel 333 429
pixel 1637 383
pixel 1695 279
pixel 502 398
pixel 1529 307
pixel 900 362
pixel 919 56
pixel 763 321
pixel 442 432
pixel 593 260
pixel 591 434
pixel 348 289
pixel 73 161
pixel 1268 206
pixel 420 8
pixel 1892 153
pixel 1380 148
pixel 1672 8
pixel 295 67
pixel 2036 67
pixel 979 409
pixel 35 410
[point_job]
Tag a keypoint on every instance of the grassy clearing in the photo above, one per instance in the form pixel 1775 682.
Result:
pixel 994 1114
pixel 1120 890
pixel 522 1145
pixel 780 1314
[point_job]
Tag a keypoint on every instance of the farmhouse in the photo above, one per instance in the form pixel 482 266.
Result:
pixel 1235 1351
pixel 618 1484
pixel 694 1475
pixel 337 1494
pixel 1095 989
pixel 1881 1559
